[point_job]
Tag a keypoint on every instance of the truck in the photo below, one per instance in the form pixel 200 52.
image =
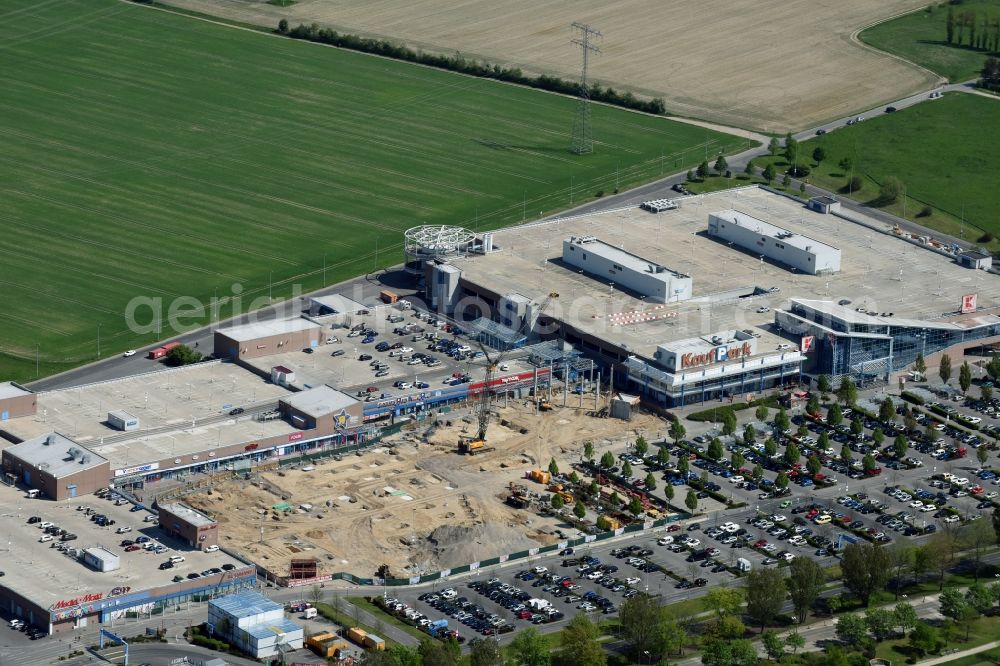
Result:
pixel 437 627
pixel 539 604
pixel 388 296
pixel 309 613
pixel 373 642
pixel 473 446
pixel 160 352
pixel 743 564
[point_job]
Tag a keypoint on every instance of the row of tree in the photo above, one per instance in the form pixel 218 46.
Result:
pixel 459 63
pixel 989 77
pixel 963 29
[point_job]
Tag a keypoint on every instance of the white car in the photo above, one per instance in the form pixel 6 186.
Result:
pixel 973 419
pixel 130 352
pixel 665 541
pixel 692 543
pixel 405 385
pixel 405 350
pixel 778 518
pixel 916 504
pixel 541 570
pixel 991 494
pixel 952 519
pixel 736 479
pixel 633 580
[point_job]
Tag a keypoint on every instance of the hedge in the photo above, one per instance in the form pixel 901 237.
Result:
pixel 457 63
pixel 911 397
pixel 715 414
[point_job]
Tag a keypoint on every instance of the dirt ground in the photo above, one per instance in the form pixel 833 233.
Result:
pixel 416 505
pixel 771 65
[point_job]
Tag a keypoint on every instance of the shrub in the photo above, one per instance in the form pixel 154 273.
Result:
pixel 926 211
pixel 854 184
pixel 799 171
pixel 985 238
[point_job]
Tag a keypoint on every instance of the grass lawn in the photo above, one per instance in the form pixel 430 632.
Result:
pixel 938 149
pixel 920 37
pixel 985 658
pixel 981 631
pixel 151 154
pixel 361 602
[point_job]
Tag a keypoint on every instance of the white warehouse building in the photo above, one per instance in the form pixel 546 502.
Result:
pixel 799 252
pixel 657 283
pixel 253 623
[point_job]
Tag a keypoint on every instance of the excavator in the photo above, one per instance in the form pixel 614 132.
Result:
pixel 494 359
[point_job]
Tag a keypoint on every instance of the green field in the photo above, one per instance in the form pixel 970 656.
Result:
pixel 149 154
pixel 920 37
pixel 940 149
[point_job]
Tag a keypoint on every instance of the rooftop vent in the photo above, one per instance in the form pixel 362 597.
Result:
pixel 73 451
pixel 50 440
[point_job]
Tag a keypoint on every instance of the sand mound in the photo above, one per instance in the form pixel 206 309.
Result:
pixel 454 545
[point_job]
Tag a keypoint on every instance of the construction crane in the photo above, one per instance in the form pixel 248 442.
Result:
pixel 494 359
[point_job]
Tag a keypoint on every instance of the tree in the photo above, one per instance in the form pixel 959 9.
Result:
pixel 691 501
pixel 791 150
pixel 773 645
pixel 819 154
pixel 781 482
pixel 823 384
pixel 579 510
pixel 662 455
pixel 792 454
pixel 795 641
pixel 607 460
pixel 900 445
pixel 995 520
pixel 985 393
pixel 648 628
pixel 976 538
pixel 880 622
pixel 682 464
pixel 627 470
pixel 770 447
pixel 720 165
pixel 773 146
pixel 485 652
pixel 758 473
pixel 761 412
pixel 635 506
pixel 924 638
pixel 183 355
pixel 846 164
pixel 878 437
pixel 728 422
pixel 851 629
pixel 919 364
pixel 955 607
pixel 703 170
pixel 939 554
pixel 690 176
pixel 982 455
pixel 580 644
pixel 723 601
pixel 677 431
pixel 750 168
pixel 730 653
pixel 715 449
pixel 868 463
pixel 846 455
pixel 553 467
pixel 529 648
pixel 887 411
pixel 965 377
pixel 650 481
pixel 813 404
pixel 765 592
pixel 805 581
pixel 283 26
pixel 865 569
pixel 737 460
pixel 557 502
pixel 769 173
pixel 857 426
pixel 641 446
pixel 980 598
pixel 890 189
pixel 847 392
pixel 588 450
pixel 781 421
pixel 813 465
pixel 436 653
pixel 905 616
pixel 749 434
pixel 834 415
pixel 668 492
pixel 944 370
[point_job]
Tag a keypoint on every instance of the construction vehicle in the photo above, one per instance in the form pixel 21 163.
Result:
pixel 472 446
pixel 540 476
pixel 567 498
pixel 494 359
pixel 544 405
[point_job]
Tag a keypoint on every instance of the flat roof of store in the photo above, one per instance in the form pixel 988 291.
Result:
pixel 11 390
pixel 192 516
pixel 621 256
pixel 320 401
pixel 57 455
pixel 165 401
pixel 872 259
pixel 264 329
pixel 764 228
pixel 55 576
pixel 245 604
pixel 339 303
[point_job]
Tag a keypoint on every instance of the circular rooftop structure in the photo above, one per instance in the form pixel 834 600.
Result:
pixel 434 241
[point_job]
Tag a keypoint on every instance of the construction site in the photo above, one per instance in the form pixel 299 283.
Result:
pixel 416 503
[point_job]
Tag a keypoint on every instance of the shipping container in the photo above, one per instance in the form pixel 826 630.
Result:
pixel 373 642
pixel 357 635
pixel 388 296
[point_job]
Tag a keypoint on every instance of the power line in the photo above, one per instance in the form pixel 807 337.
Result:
pixel 582 141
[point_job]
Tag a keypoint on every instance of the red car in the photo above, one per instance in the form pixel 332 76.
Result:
pixel 524 615
pixel 812 514
pixel 975 490
pixel 674 528
pixel 760 544
pixel 132 548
